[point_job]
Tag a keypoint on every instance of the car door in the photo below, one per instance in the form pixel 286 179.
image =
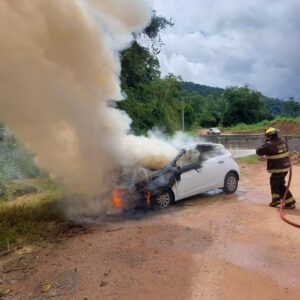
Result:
pixel 187 183
pixel 209 176
pixel 212 173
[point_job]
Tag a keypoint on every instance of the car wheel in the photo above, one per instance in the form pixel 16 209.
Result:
pixel 163 200
pixel 230 183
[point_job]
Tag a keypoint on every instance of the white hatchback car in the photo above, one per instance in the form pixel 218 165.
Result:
pixel 197 169
pixel 214 131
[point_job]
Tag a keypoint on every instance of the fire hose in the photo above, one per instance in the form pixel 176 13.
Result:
pixel 282 216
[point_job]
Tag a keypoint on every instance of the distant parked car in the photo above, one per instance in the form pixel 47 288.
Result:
pixel 214 131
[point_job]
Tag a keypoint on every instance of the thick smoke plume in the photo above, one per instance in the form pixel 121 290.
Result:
pixel 59 69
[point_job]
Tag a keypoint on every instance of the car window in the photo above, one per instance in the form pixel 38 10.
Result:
pixel 189 157
pixel 212 154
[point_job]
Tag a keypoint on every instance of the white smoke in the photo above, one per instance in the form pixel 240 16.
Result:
pixel 59 70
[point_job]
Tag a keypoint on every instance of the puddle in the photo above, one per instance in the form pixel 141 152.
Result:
pixel 260 258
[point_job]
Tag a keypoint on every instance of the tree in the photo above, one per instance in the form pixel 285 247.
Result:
pixel 206 110
pixel 291 107
pixel 140 63
pixel 140 80
pixel 152 32
pixel 139 66
pixel 273 106
pixel 242 106
pixel 167 94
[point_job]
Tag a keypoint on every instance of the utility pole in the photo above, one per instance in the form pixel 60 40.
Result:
pixel 182 112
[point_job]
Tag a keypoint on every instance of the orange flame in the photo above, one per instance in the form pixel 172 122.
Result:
pixel 148 198
pixel 117 200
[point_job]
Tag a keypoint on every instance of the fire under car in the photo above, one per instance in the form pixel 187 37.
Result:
pixel 196 169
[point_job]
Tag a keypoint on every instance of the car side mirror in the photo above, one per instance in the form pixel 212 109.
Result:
pixel 198 167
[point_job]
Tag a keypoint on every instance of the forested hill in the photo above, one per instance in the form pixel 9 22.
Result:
pixel 203 90
pixel 273 106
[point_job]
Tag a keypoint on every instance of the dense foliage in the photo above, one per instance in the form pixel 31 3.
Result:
pixel 242 106
pixel 203 90
pixel 15 163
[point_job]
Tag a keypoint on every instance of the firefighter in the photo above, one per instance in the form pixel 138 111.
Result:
pixel 278 164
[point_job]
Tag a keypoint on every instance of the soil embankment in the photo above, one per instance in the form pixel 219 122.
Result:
pixel 286 127
pixel 211 247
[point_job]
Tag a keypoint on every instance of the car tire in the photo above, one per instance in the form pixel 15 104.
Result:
pixel 163 200
pixel 230 183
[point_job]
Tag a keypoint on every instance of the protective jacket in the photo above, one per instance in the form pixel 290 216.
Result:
pixel 276 151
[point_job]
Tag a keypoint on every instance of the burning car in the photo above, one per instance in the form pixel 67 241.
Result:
pixel 196 169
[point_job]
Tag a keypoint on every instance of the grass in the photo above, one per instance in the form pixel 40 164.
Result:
pixel 28 198
pixel 260 125
pixel 16 188
pixel 251 159
pixel 32 217
pixel 248 127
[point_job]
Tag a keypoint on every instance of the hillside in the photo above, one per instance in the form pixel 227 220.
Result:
pixel 286 127
pixel 203 90
pixel 273 106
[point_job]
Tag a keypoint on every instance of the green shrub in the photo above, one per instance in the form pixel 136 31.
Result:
pixel 16 163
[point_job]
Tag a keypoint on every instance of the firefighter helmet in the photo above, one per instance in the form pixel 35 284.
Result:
pixel 270 131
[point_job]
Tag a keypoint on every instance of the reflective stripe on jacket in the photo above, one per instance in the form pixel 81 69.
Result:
pixel 277 155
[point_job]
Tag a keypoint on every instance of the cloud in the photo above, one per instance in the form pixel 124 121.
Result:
pixel 231 42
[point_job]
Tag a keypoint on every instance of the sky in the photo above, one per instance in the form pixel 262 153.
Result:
pixel 234 42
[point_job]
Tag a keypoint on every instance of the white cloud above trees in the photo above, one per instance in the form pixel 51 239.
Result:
pixel 232 42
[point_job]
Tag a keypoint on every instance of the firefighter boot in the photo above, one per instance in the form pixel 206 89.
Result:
pixel 275 200
pixel 290 203
pixel 274 203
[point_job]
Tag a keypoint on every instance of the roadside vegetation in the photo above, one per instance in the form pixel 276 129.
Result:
pixel 28 197
pixel 31 217
pixel 247 127
pixel 293 123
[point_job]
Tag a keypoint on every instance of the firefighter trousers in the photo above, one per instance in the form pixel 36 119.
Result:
pixel 278 188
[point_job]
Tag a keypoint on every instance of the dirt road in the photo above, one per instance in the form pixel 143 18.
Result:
pixel 209 247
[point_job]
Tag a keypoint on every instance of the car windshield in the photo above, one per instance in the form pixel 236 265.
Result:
pixel 191 154
pixel 189 157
